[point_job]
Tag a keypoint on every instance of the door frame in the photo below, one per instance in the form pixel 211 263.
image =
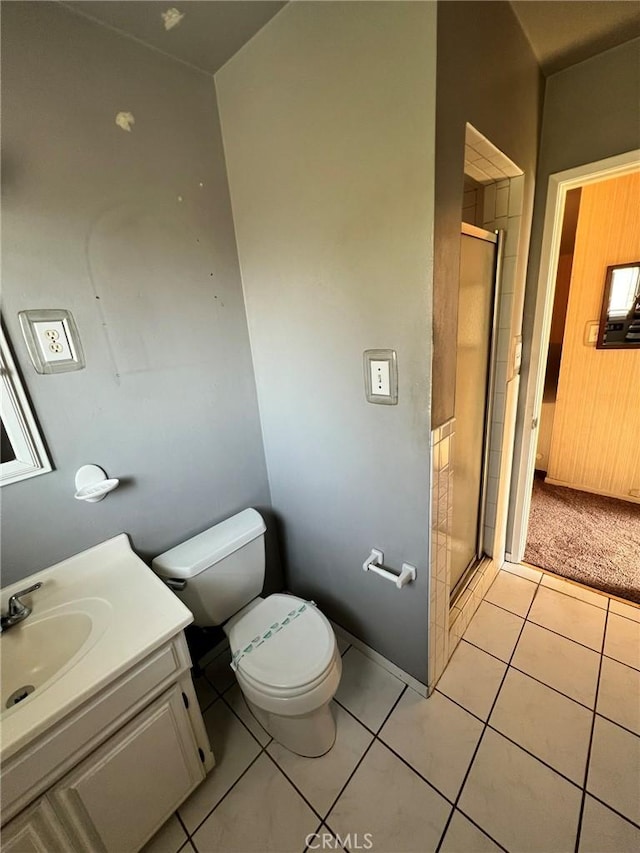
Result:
pixel 560 183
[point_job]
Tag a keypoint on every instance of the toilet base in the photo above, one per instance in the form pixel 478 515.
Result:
pixel 309 735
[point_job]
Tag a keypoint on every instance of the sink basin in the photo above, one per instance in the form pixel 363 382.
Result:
pixel 41 647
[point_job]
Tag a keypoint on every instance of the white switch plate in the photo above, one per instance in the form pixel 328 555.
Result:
pixel 52 339
pixel 381 376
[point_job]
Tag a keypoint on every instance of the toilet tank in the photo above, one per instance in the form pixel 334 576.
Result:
pixel 219 571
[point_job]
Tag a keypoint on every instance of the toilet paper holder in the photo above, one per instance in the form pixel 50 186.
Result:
pixel 374 563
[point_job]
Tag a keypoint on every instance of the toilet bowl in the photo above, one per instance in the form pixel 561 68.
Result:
pixel 284 651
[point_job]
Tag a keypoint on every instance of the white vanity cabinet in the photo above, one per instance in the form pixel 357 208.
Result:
pixel 109 776
pixel 118 796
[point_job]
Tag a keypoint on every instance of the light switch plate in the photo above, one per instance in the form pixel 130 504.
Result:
pixel 381 376
pixel 52 340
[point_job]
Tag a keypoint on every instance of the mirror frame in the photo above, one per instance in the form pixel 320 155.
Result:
pixel 601 343
pixel 20 424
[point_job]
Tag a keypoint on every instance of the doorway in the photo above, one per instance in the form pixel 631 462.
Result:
pixel 475 339
pixel 588 454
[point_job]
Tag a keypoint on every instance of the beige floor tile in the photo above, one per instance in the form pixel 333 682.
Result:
pixel 630 611
pixel 205 692
pixel 552 727
pixel 575 590
pixel 219 672
pixel 523 571
pixel 435 736
pixel 512 593
pixel 619 694
pixel 388 800
pixel 603 831
pixel 236 701
pixel 321 779
pixel 494 630
pixel 570 617
pixel 521 803
pixel 262 814
pixel 568 667
pixel 325 839
pixel 623 640
pixel 463 837
pixel 614 768
pixel 472 678
pixel 169 838
pixel 234 750
pixel 366 689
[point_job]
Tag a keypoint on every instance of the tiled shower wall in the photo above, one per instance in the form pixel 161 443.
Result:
pixel 502 209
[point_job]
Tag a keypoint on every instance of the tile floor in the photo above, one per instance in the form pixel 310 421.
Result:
pixel 531 742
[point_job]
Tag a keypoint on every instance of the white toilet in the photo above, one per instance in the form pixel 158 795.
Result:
pixel 284 651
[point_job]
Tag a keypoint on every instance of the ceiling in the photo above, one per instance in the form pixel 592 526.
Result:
pixel 564 32
pixel 206 37
pixel 561 32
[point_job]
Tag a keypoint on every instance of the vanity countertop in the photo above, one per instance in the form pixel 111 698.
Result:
pixel 132 613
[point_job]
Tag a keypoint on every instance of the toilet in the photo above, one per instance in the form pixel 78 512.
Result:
pixel 283 649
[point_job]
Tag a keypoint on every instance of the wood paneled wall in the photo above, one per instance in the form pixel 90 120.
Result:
pixel 596 432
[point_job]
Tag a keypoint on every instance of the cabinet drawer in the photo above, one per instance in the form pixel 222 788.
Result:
pixel 117 798
pixel 37 767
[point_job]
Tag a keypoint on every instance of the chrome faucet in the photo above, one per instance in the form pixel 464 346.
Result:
pixel 17 611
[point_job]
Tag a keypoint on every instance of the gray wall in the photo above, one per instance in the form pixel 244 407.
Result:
pixel 488 76
pixel 92 222
pixel 590 113
pixel 328 125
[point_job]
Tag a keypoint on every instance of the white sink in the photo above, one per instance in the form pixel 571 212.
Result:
pixel 45 645
pixel 95 615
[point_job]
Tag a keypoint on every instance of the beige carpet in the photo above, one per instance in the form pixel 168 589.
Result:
pixel 587 538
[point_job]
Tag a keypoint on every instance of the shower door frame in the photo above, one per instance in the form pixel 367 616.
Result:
pixel 497 238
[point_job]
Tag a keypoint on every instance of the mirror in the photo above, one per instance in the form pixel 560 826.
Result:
pixel 23 453
pixel 620 315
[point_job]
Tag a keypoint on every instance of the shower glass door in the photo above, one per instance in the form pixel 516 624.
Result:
pixel 475 322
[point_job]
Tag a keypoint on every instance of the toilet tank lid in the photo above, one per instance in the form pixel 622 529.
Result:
pixel 207 548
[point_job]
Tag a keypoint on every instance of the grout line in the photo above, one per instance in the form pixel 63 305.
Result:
pixel 617 724
pixel 317 832
pixel 226 794
pixel 294 785
pixel 181 822
pixel 528 674
pixel 486 725
pixel 622 616
pixel 357 719
pixel 593 726
pixel 630 666
pixel 483 831
pixel 538 625
pixel 611 809
pixel 335 835
pixel 364 754
pixel 239 718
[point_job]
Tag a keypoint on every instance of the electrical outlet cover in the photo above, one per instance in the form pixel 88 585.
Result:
pixel 52 339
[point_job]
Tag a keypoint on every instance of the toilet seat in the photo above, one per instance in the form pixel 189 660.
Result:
pixel 295 659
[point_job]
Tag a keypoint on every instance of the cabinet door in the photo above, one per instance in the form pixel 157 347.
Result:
pixel 35 830
pixel 123 792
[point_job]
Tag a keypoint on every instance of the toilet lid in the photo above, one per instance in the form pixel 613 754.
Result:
pixel 293 656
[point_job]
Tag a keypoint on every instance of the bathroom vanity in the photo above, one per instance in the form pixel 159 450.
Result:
pixel 110 740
